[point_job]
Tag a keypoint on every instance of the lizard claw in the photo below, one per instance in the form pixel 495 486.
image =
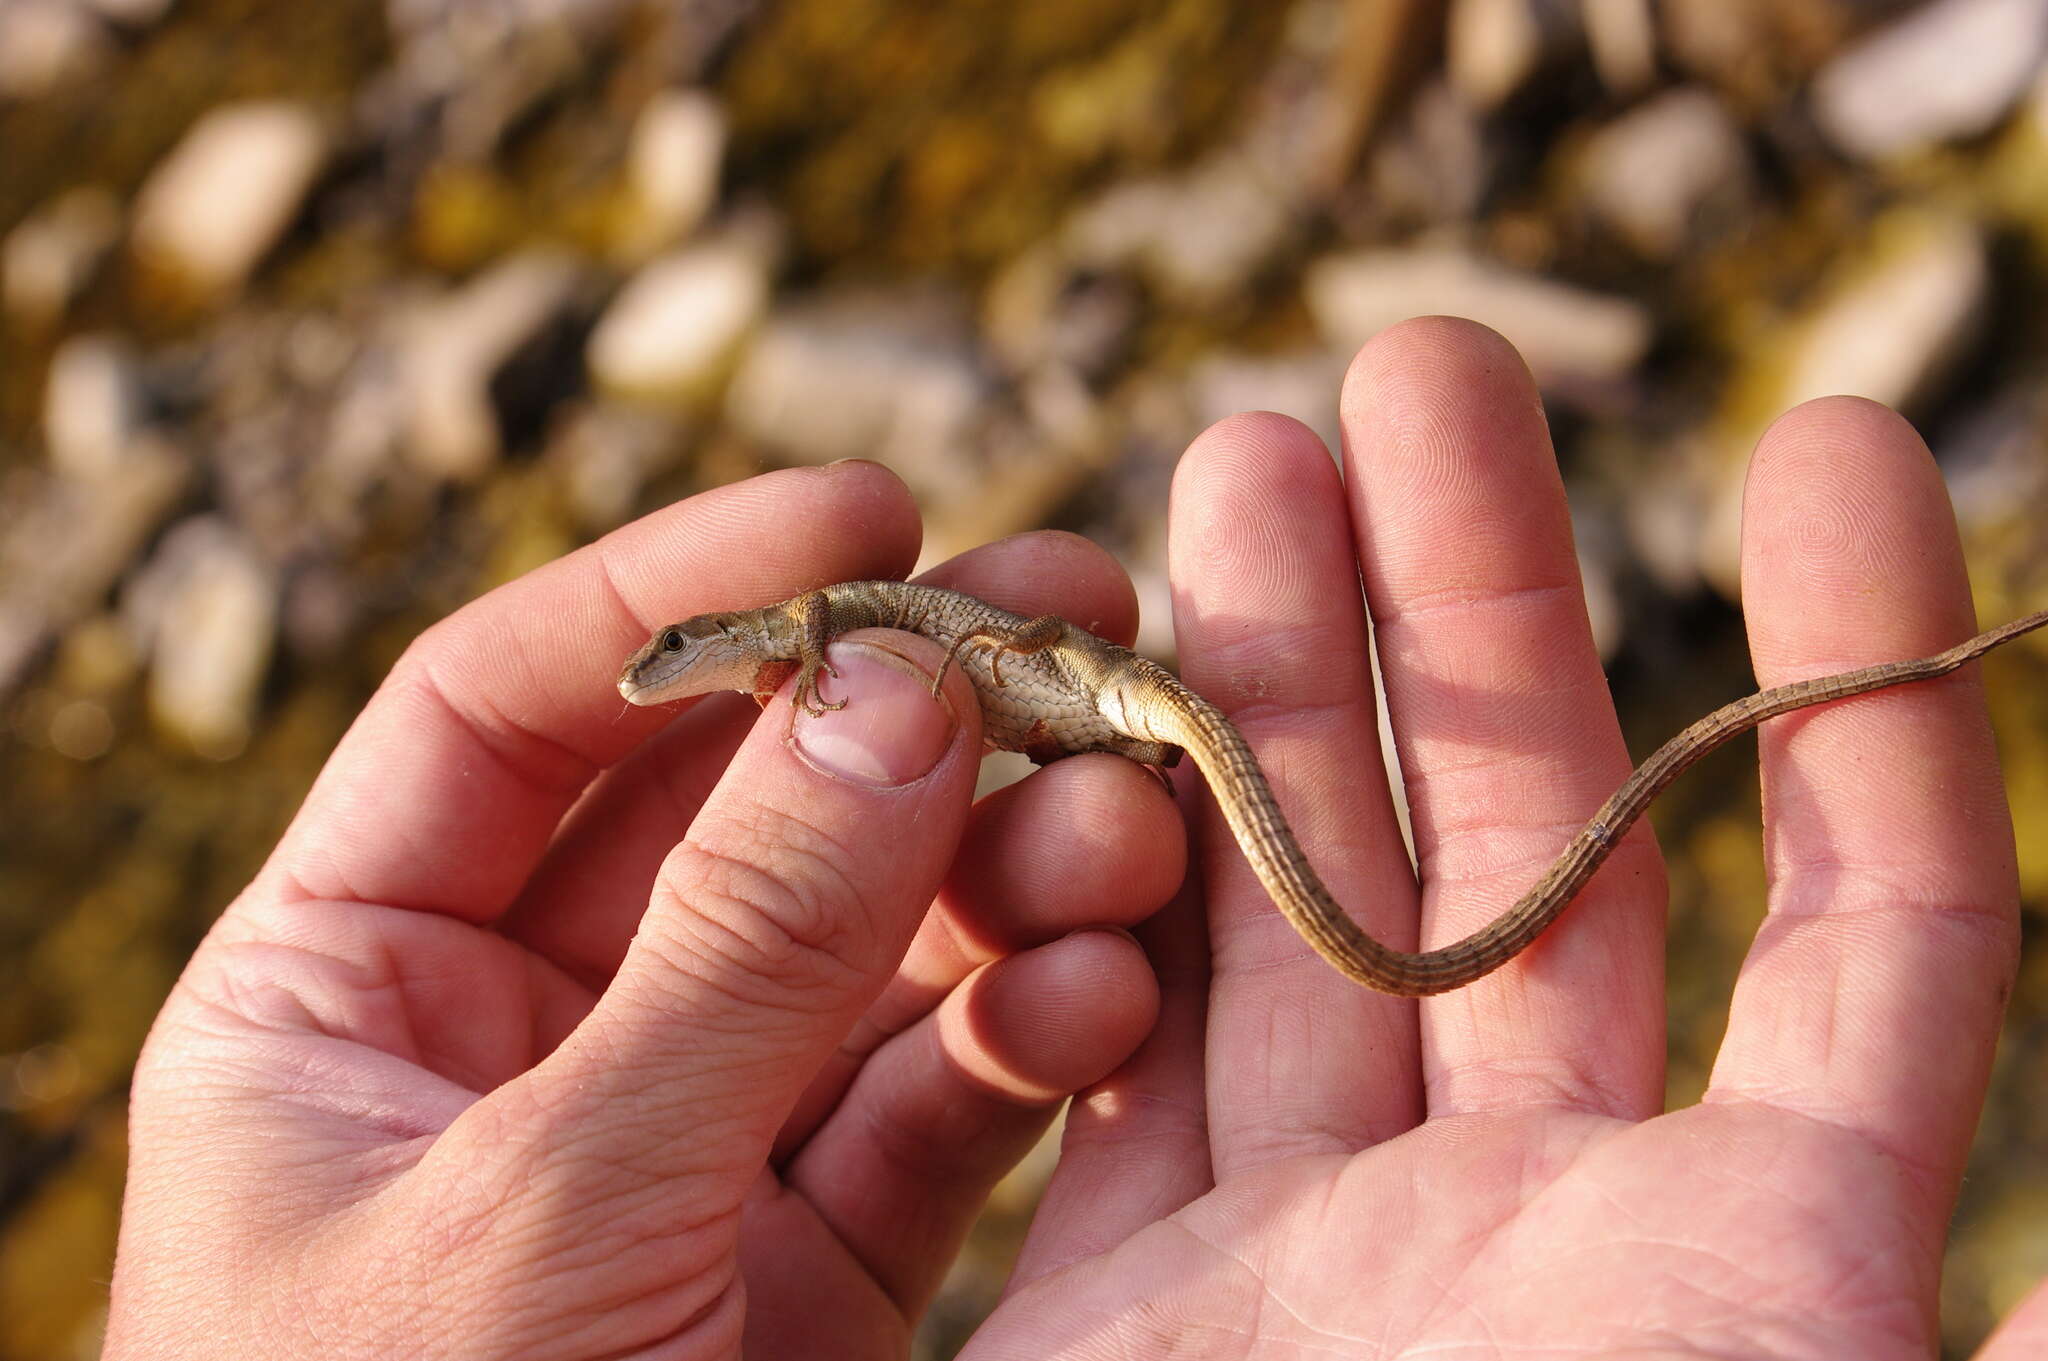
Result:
pixel 807 697
pixel 960 645
pixel 996 646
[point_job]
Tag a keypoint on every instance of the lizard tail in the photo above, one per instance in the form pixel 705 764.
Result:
pixel 1247 802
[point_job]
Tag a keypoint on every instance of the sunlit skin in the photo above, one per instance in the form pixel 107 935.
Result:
pixel 557 1027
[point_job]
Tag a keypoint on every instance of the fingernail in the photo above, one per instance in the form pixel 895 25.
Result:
pixel 891 731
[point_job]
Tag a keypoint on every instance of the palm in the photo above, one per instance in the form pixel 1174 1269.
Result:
pixel 1542 1234
pixel 424 1015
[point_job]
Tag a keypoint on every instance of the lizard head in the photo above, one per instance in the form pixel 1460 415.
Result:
pixel 695 657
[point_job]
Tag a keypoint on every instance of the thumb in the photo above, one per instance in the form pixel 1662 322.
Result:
pixel 771 928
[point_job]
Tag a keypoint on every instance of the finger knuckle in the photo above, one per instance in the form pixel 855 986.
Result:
pixel 785 911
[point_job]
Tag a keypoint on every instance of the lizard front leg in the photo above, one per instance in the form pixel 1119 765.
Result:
pixel 813 631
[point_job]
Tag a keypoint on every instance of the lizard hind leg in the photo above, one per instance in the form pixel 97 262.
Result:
pixel 1033 635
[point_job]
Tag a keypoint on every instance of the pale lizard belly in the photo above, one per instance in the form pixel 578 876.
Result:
pixel 1035 713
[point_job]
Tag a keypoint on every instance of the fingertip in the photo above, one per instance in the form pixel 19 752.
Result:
pixel 877 504
pixel 1454 484
pixel 860 494
pixel 1250 437
pixel 1047 1022
pixel 1429 366
pixel 1252 471
pixel 1258 529
pixel 1095 839
pixel 1048 571
pixel 1849 542
pixel 846 521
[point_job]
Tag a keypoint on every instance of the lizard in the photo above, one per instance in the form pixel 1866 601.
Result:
pixel 1050 689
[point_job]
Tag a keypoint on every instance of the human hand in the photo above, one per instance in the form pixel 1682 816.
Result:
pixel 444 1081
pixel 1293 1166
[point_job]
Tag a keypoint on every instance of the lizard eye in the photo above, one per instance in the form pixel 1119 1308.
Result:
pixel 672 641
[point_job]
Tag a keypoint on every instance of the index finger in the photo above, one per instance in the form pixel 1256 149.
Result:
pixel 445 792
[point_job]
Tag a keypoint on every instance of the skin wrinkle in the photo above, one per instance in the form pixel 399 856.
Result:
pixel 1115 1130
pixel 1478 1243
pixel 1480 792
pixel 1180 1325
pixel 288 889
pixel 1930 1179
pixel 332 863
pixel 1465 793
pixel 610 593
pixel 219 988
pixel 619 1218
pixel 548 1025
pixel 1305 1136
pixel 1439 720
pixel 1304 719
pixel 423 847
pixel 392 977
pixel 1453 880
pixel 533 1303
pixel 1289 1122
pixel 665 782
pixel 942 1163
pixel 788 919
pixel 729 1149
pixel 828 862
pixel 1446 1292
pixel 1743 1274
pixel 1440 717
pixel 622 1218
pixel 395 1131
pixel 1977 918
pixel 1486 713
pixel 734 1018
pixel 1522 1082
pixel 1281 953
pixel 1414 612
pixel 787 1198
pixel 490 728
pixel 356 973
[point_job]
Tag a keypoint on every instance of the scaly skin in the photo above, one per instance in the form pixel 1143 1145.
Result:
pixel 1050 689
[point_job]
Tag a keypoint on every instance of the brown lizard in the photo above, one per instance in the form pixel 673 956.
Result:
pixel 1050 689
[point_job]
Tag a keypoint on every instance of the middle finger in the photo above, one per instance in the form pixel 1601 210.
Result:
pixel 1507 734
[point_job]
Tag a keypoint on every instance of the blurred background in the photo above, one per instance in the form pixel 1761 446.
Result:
pixel 318 320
